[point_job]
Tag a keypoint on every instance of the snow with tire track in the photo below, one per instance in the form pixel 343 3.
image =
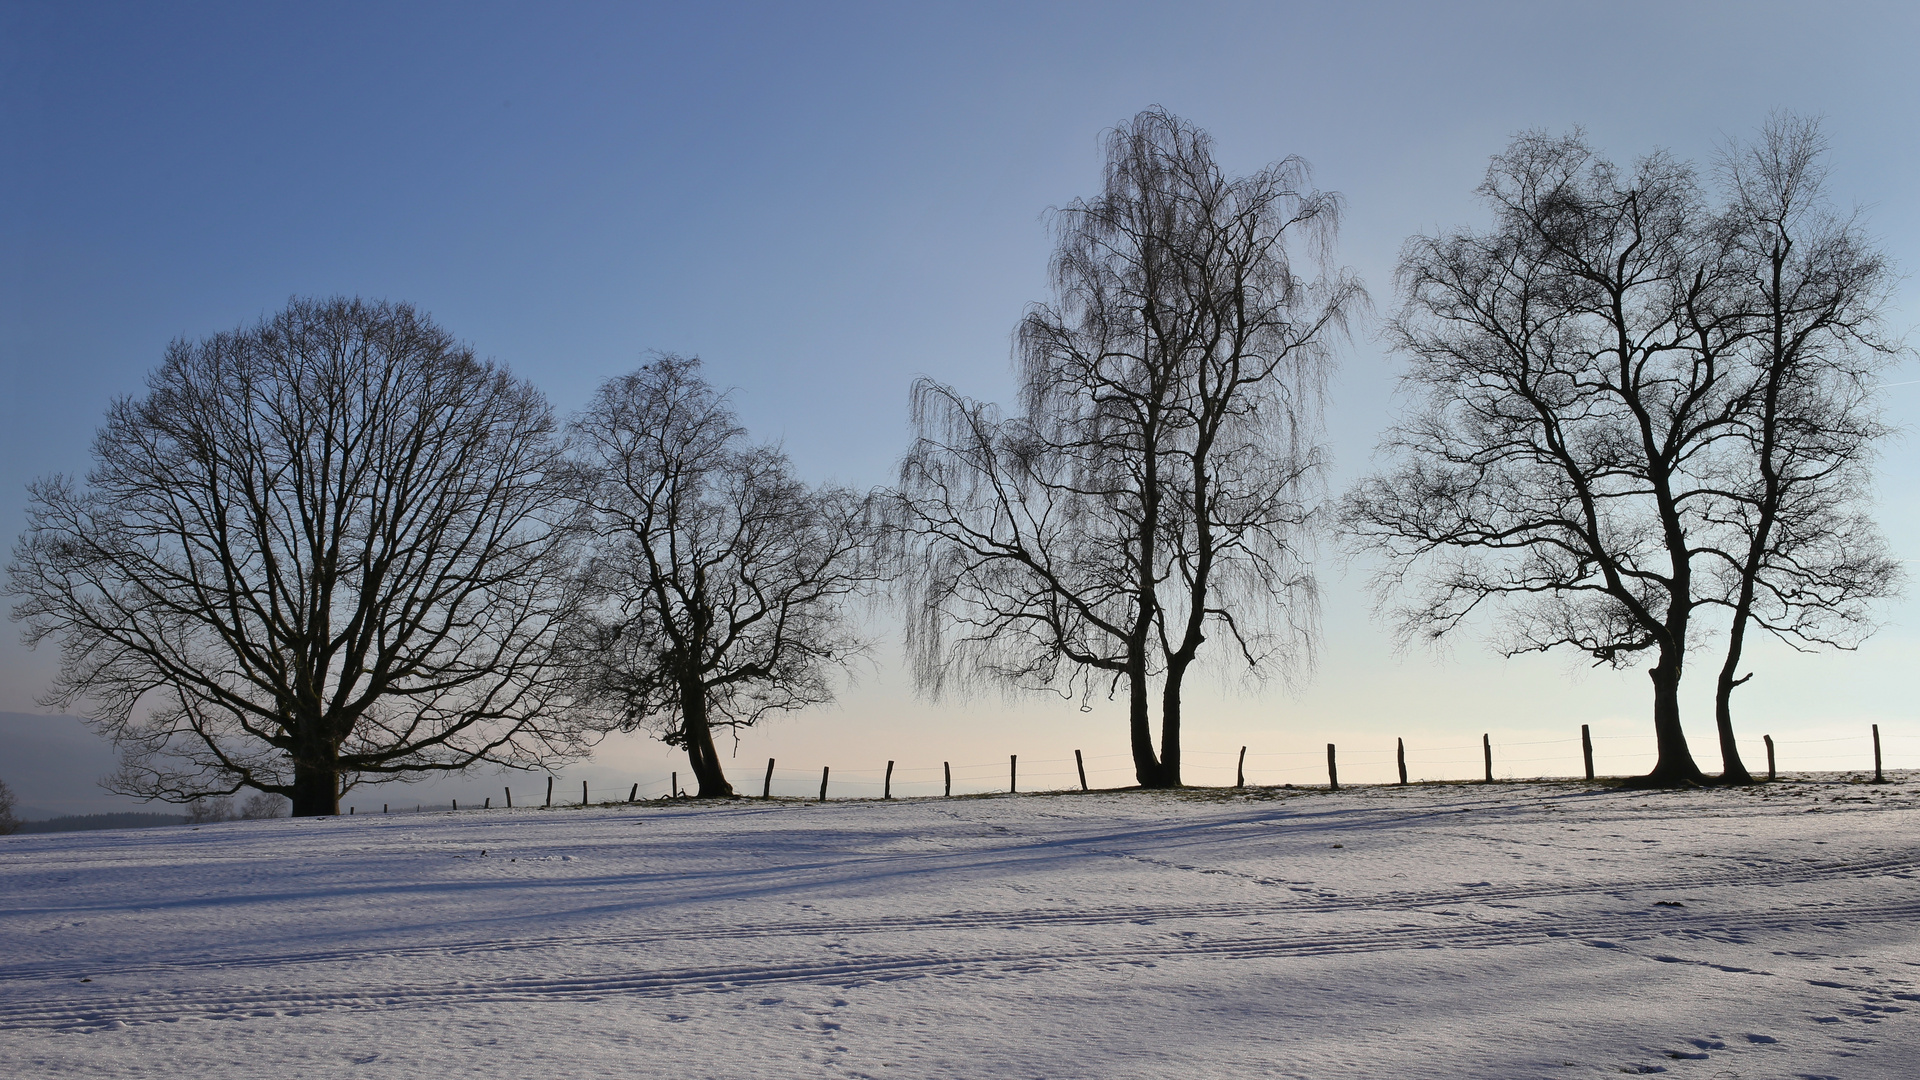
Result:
pixel 1507 930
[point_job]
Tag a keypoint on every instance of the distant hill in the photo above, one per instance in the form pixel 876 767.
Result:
pixel 82 822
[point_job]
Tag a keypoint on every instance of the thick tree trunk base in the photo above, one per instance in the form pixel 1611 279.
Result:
pixel 708 774
pixel 1667 778
pixel 1156 776
pixel 316 792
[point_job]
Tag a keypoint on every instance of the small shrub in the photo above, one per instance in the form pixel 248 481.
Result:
pixel 262 805
pixel 208 809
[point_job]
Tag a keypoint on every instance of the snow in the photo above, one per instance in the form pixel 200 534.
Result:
pixel 1507 930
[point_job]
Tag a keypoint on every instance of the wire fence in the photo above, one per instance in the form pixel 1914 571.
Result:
pixel 1362 763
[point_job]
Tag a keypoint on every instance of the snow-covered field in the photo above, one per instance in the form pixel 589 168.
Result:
pixel 1512 930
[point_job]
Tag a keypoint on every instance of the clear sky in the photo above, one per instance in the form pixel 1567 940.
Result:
pixel 824 201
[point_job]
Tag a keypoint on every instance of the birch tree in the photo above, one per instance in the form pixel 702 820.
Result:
pixel 1160 485
pixel 1804 561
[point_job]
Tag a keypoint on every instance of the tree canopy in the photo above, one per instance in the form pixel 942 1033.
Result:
pixel 317 551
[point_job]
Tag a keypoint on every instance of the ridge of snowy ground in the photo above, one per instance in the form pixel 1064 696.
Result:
pixel 1506 930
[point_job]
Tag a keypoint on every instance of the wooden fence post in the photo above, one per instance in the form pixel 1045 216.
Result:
pixel 509 798
pixel 1769 740
pixel 947 766
pixel 549 791
pixel 634 792
pixel 488 805
pixel 1082 766
pixel 674 785
pixel 1486 744
pixel 583 793
pixel 1240 770
pixel 456 804
pixel 349 811
pixel 1333 773
pixel 766 786
pixel 1400 757
pixel 1013 774
pixel 823 783
pixel 886 789
pixel 383 808
pixel 1586 748
pixel 1877 777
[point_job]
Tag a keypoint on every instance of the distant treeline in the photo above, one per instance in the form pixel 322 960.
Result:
pixel 80 822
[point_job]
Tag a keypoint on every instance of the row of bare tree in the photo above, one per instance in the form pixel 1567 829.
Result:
pixel 337 547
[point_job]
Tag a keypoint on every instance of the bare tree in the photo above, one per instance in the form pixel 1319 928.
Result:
pixel 1575 364
pixel 715 582
pixel 209 809
pixel 261 806
pixel 8 823
pixel 1803 561
pixel 1635 407
pixel 318 551
pixel 1160 485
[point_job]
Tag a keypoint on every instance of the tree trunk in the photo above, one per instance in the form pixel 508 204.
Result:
pixel 316 785
pixel 1146 764
pixel 1675 766
pixel 1170 727
pixel 699 737
pixel 1732 769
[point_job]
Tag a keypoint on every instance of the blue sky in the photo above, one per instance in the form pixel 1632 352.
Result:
pixel 824 201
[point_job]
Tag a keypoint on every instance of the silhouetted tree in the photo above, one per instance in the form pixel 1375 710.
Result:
pixel 8 823
pixel 260 805
pixel 209 809
pixel 715 581
pixel 1574 363
pixel 1804 560
pixel 1637 406
pixel 1160 485
pixel 318 551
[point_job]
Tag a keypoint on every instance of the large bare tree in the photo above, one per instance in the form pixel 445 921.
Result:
pixel 1803 560
pixel 1572 363
pixel 716 582
pixel 1635 408
pixel 316 552
pixel 1159 486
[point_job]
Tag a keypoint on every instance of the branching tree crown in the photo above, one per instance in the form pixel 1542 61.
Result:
pixel 1160 484
pixel 716 582
pixel 318 551
pixel 1588 452
pixel 1801 559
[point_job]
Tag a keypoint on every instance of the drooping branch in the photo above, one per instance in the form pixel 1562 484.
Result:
pixel 1162 479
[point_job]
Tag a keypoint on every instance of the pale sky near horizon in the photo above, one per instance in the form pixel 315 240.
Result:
pixel 824 201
